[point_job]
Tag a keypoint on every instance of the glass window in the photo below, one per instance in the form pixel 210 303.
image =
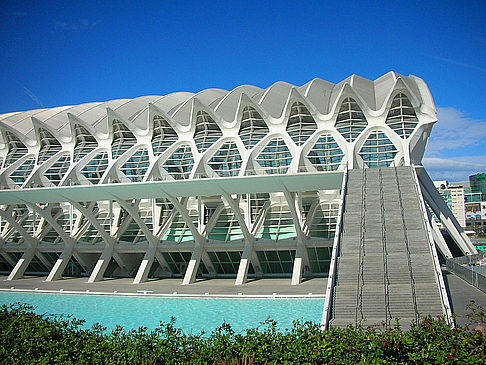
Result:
pixel 136 166
pixel 58 169
pixel 253 128
pixel 85 142
pixel 378 150
pixel 350 121
pixel 96 167
pixel 180 163
pixel 16 149
pixel 401 117
pixel 207 131
pixel 301 124
pixel 326 155
pixel 163 136
pixel 275 158
pixel 123 139
pixel 49 146
pixel 23 171
pixel 227 160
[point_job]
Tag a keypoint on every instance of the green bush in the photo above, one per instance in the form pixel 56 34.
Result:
pixel 27 337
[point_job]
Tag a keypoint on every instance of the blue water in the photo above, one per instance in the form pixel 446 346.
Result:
pixel 192 314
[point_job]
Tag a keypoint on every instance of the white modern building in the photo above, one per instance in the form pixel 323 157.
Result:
pixel 247 182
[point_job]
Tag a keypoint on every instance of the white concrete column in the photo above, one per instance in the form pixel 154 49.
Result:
pixel 192 267
pixel 102 263
pixel 21 265
pixel 61 263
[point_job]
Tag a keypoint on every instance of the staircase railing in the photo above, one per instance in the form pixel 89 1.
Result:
pixel 435 259
pixel 386 281
pixel 331 281
pixel 359 297
pixel 405 234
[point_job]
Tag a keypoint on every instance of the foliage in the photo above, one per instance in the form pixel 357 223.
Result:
pixel 27 337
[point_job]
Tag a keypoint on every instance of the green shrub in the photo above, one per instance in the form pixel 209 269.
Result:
pixel 27 337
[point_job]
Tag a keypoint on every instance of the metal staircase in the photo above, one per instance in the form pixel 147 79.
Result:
pixel 385 268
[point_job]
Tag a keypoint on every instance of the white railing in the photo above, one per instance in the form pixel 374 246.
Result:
pixel 335 252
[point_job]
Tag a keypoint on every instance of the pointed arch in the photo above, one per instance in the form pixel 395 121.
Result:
pixel 378 150
pixel 49 145
pixel 163 135
pixel 85 142
pixel 252 128
pixel 351 120
pixel 207 131
pixel 123 139
pixel 402 117
pixel 227 160
pixel 16 149
pixel 301 124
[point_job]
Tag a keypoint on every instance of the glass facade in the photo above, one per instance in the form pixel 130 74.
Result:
pixel 401 117
pixel 301 124
pixel 163 135
pixel 325 155
pixel 16 149
pixel 378 150
pixel 275 158
pixel 96 167
pixel 179 164
pixel 49 146
pixel 207 131
pixel 84 142
pixel 351 120
pixel 58 169
pixel 136 166
pixel 123 139
pixel 253 128
pixel 227 160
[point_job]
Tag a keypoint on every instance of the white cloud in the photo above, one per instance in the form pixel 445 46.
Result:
pixel 454 168
pixel 455 130
pixel 458 63
pixel 75 25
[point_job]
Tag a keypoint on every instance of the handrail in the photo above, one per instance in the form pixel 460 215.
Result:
pixel 331 280
pixel 386 281
pixel 405 235
pixel 435 259
pixel 359 297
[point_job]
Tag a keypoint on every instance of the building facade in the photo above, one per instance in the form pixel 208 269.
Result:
pixel 247 182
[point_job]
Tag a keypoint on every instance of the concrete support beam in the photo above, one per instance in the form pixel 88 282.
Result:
pixel 60 264
pixel 249 253
pixel 301 257
pixel 199 252
pixel 102 263
pixel 439 207
pixel 438 239
pixel 21 265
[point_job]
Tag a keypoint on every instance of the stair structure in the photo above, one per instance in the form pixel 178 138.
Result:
pixel 385 268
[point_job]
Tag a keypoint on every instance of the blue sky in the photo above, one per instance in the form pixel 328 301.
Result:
pixel 61 53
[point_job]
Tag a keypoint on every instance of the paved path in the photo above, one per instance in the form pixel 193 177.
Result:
pixel 267 286
pixel 460 294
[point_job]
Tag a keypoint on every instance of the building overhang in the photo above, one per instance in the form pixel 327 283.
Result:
pixel 311 181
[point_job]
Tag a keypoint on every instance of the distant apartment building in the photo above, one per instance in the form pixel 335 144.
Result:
pixel 467 201
pixel 453 195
